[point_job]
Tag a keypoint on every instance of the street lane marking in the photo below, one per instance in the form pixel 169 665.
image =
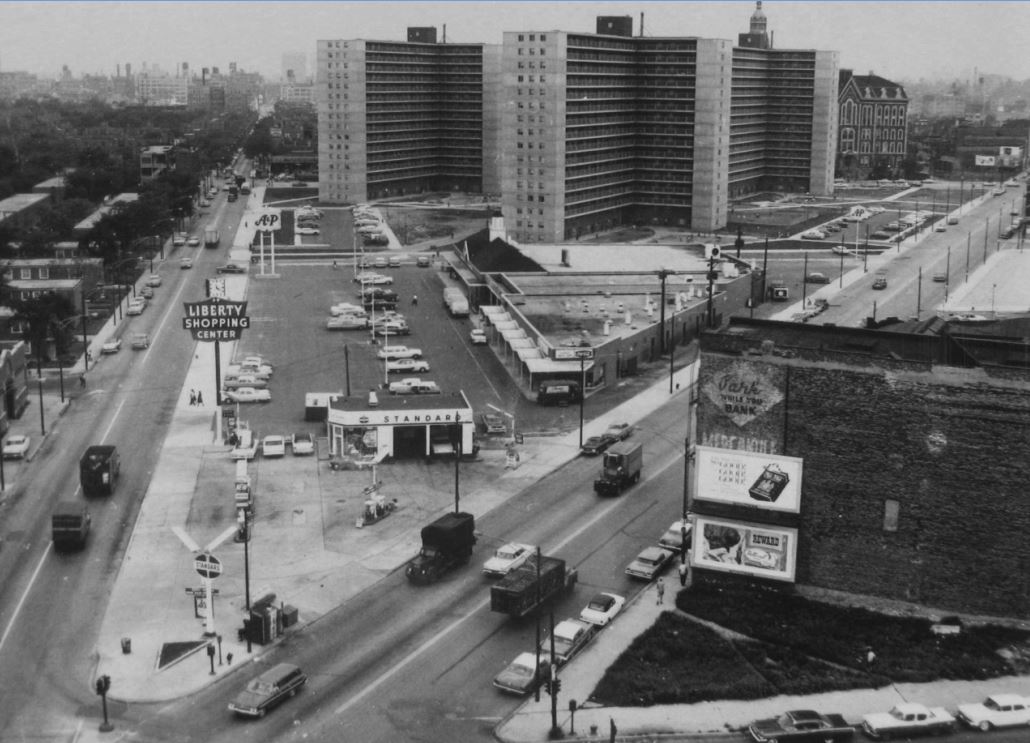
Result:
pixel 25 595
pixel 432 641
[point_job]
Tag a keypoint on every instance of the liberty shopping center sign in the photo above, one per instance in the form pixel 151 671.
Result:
pixel 215 319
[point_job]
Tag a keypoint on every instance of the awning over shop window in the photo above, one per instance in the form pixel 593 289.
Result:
pixel 550 366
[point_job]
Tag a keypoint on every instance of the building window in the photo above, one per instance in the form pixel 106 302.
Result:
pixel 25 273
pixel 890 515
pixel 44 273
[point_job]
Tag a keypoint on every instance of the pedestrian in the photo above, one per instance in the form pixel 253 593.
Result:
pixel 612 730
pixel 661 591
pixel 228 658
pixel 683 572
pixel 414 299
pixel 870 656
pixel 82 381
pixel 193 397
pixel 200 398
pixel 89 356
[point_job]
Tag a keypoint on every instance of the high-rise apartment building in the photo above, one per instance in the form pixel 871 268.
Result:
pixel 607 129
pixel 579 132
pixel 405 117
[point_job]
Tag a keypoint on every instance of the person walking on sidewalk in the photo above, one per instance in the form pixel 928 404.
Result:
pixel 661 591
pixel 683 572
pixel 82 381
pixel 200 398
pixel 193 398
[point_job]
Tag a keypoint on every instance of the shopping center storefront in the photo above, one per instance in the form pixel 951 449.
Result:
pixel 400 426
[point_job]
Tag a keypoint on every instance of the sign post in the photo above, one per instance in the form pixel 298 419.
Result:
pixel 213 320
pixel 268 221
pixel 208 567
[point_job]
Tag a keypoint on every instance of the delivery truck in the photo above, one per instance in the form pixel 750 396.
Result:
pixel 98 470
pixel 620 468
pixel 446 543
pixel 526 588
pixel 69 525
pixel 211 238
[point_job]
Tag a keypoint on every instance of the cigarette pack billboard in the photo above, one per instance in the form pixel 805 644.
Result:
pixel 766 481
pixel 737 547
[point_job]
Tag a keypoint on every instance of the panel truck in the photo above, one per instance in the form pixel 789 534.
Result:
pixel 69 525
pixel 519 593
pixel 455 302
pixel 211 237
pixel 446 543
pixel 98 470
pixel 620 468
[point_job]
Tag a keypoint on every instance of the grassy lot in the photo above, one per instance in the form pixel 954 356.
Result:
pixel 763 643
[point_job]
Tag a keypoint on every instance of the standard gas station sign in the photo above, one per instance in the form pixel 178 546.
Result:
pixel 215 319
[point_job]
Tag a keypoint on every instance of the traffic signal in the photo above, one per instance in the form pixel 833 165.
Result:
pixel 552 686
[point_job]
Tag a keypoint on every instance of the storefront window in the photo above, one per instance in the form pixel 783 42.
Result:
pixel 360 442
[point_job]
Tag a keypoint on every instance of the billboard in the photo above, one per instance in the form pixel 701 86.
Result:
pixel 985 160
pixel 767 481
pixel 741 404
pixel 749 549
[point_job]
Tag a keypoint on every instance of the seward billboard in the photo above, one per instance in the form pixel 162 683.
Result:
pixel 751 549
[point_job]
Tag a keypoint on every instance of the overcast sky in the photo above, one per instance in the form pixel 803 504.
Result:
pixel 902 40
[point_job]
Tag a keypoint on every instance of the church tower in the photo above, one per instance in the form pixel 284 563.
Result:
pixel 758 36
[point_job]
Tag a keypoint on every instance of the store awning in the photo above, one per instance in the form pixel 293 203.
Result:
pixel 550 366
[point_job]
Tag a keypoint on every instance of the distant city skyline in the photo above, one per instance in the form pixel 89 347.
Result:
pixel 904 40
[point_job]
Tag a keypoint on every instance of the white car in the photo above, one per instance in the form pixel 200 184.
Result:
pixel 112 346
pixel 306 230
pixel 507 558
pixel 373 279
pixel 672 539
pixel 908 719
pixel 256 361
pixel 346 308
pixel 518 676
pixel 235 381
pixel 179 241
pixel 246 445
pixel 478 337
pixel 153 280
pixel 997 711
pixel 813 235
pixel 135 308
pixel 346 322
pixel 303 444
pixel 414 386
pixel 194 242
pixel 273 445
pixel 248 394
pixel 602 608
pixel 399 352
pixel 16 446
pixel 186 263
pixel 414 366
pixel 392 326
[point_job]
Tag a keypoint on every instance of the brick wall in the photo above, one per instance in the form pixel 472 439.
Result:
pixel 950 450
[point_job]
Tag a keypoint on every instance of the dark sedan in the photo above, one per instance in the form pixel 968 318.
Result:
pixel 231 268
pixel 594 445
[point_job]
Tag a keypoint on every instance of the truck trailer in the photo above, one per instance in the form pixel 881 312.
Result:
pixel 456 302
pixel 620 468
pixel 98 470
pixel 69 523
pixel 520 593
pixel 211 238
pixel 446 543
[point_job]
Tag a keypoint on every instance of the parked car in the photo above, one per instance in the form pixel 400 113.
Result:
pixel 508 557
pixel 235 381
pixel 813 235
pixel 423 261
pixel 248 394
pixel 399 352
pixel 306 230
pixel 412 366
pixel 594 445
pixel 880 235
pixel 16 446
pixel 303 443
pixel 194 241
pixel 136 306
pixel 112 346
pixel 346 308
pixel 392 327
pixel 801 726
pixel 518 676
pixel 147 292
pixel 996 711
pixel 493 424
pixel 273 445
pixel 414 386
pixel 267 690
pixel 649 563
pixel 477 336
pixel 602 608
pixel 380 262
pixel 373 279
pixel 817 278
pixel 394 261
pixel 672 539
pixel 231 268
pixel 347 322
pixel 906 720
